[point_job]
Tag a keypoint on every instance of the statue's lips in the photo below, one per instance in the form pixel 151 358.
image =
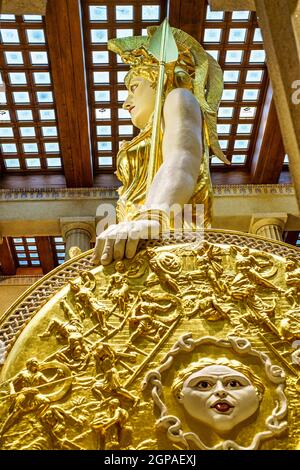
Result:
pixel 131 108
pixel 222 406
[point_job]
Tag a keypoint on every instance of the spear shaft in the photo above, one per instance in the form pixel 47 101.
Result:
pixel 162 34
pixel 157 113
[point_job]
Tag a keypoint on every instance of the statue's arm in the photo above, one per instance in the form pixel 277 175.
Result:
pixel 176 179
pixel 173 184
pixel 12 389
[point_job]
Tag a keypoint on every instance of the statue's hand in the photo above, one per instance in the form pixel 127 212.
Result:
pixel 30 390
pixel 121 240
pixel 60 373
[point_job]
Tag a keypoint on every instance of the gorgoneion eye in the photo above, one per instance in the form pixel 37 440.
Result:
pixel 203 385
pixel 234 384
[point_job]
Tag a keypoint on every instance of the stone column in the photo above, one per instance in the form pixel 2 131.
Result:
pixel 78 232
pixel 269 226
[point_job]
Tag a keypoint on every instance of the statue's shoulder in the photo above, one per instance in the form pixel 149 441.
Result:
pixel 179 100
pixel 181 95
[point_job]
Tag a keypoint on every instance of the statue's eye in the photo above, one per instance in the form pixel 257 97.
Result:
pixel 203 385
pixel 234 384
pixel 133 87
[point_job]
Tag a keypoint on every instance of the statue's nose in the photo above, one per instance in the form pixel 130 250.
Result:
pixel 220 390
pixel 127 103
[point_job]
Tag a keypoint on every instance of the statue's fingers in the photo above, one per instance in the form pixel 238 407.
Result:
pixel 131 246
pixel 119 246
pixel 108 251
pixel 100 242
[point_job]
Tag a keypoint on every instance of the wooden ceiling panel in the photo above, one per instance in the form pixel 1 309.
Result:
pixel 103 20
pixel 63 24
pixel 46 253
pixel 89 130
pixel 7 259
pixel 29 134
pixel 269 155
pixel 234 39
pixel 293 238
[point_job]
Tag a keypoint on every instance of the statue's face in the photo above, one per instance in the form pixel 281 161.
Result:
pixel 33 366
pixel 120 268
pixel 290 265
pixel 140 101
pixel 219 397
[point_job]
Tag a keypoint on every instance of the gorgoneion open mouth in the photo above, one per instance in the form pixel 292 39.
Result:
pixel 222 406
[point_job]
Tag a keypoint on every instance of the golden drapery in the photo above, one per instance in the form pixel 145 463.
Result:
pixel 206 84
pixel 132 166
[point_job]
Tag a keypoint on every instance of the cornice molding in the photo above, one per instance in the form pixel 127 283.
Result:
pixel 51 194
pixel 19 280
pixel 253 189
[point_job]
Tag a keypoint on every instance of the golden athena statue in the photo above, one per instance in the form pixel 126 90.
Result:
pixel 178 173
pixel 168 343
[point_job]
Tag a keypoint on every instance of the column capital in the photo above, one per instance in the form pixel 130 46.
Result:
pixel 266 220
pixel 19 7
pixel 232 5
pixel 69 224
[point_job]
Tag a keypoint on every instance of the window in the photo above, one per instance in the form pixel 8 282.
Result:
pixel 212 35
pixel 150 12
pixel 98 13
pixel 28 115
pixel 54 162
pixel 35 36
pixel 214 15
pixel 124 13
pixel 26 252
pixel 59 249
pixel 235 40
pixel 237 35
pixel 229 95
pixel 11 163
pixel 105 161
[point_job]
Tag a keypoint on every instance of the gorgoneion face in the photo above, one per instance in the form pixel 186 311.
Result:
pixel 140 101
pixel 219 397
